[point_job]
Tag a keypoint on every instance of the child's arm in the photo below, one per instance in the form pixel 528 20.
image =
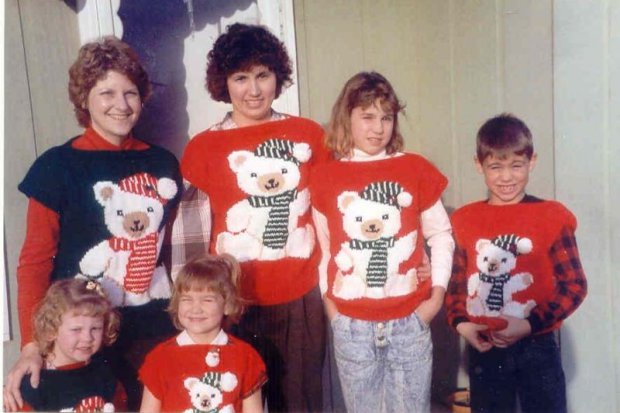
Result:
pixel 149 402
pixel 322 235
pixel 438 233
pixel 253 403
pixel 571 286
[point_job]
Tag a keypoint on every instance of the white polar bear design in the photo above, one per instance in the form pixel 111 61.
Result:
pixel 133 211
pixel 373 254
pixel 264 226
pixel 206 394
pixel 491 289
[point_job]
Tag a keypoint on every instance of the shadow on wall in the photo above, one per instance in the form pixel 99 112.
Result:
pixel 157 31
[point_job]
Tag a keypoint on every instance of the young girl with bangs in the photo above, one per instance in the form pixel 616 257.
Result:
pixel 373 207
pixel 71 324
pixel 204 369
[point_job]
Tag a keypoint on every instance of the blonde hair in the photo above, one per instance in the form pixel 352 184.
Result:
pixel 217 273
pixel 362 90
pixel 78 296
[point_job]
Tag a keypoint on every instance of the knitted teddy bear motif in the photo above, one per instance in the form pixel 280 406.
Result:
pixel 207 393
pixel 264 225
pixel 369 261
pixel 490 290
pixel 125 264
pixel 93 404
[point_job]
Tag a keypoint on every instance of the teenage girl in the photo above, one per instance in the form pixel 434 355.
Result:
pixel 374 207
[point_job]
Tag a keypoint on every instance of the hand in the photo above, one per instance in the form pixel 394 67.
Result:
pixel 471 332
pixel 517 329
pixel 428 309
pixel 330 308
pixel 424 270
pixel 30 362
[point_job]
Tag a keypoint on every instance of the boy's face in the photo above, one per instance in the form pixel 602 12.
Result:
pixel 506 177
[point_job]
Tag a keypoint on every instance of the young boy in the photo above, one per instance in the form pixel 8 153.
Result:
pixel 516 276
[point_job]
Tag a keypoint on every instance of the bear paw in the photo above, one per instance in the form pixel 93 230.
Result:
pixel 397 284
pixel 349 287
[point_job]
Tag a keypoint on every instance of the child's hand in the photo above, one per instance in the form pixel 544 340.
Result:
pixel 428 309
pixel 472 333
pixel 330 308
pixel 424 270
pixel 517 329
pixel 30 362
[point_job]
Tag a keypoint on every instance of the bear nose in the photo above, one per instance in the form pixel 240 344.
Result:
pixel 492 266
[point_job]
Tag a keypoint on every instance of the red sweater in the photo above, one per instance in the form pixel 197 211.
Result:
pixel 474 225
pixel 36 259
pixel 178 376
pixel 373 214
pixel 256 178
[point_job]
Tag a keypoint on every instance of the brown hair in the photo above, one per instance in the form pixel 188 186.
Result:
pixel 362 90
pixel 78 296
pixel 93 63
pixel 502 135
pixel 218 273
pixel 240 48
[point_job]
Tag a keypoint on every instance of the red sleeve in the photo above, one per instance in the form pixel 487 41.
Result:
pixel 432 185
pixel 193 165
pixel 120 398
pixel 151 372
pixel 255 375
pixel 36 262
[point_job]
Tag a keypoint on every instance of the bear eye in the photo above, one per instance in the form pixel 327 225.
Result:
pixel 358 219
pixel 504 260
pixel 150 209
pixel 486 259
pixel 253 175
pixel 284 170
pixel 119 212
pixel 385 217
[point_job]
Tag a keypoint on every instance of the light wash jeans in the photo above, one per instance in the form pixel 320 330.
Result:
pixel 384 366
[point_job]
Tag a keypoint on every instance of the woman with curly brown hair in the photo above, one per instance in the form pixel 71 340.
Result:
pixel 250 175
pixel 96 207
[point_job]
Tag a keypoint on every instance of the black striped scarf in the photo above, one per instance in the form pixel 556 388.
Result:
pixel 495 300
pixel 376 272
pixel 276 229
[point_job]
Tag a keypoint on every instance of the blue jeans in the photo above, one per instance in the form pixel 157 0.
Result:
pixel 531 370
pixel 384 366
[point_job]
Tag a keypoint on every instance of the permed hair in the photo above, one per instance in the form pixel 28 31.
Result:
pixel 217 273
pixel 239 49
pixel 78 297
pixel 362 90
pixel 93 63
pixel 502 135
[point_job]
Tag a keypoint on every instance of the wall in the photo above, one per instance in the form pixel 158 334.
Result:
pixel 38 114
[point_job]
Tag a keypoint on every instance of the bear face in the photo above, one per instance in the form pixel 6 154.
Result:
pixel 368 220
pixel 128 215
pixel 262 176
pixel 493 260
pixel 204 397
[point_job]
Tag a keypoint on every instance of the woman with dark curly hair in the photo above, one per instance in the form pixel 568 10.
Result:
pixel 250 175
pixel 96 207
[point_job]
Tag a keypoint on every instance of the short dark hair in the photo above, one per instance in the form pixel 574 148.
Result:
pixel 504 134
pixel 94 61
pixel 240 48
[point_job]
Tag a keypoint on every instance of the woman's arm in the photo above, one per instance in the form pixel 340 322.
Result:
pixel 150 404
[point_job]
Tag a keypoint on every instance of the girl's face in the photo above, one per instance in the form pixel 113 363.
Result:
pixel 251 94
pixel 77 339
pixel 201 313
pixel 114 105
pixel 371 128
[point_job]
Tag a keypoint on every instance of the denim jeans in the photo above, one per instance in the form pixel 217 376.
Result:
pixel 384 366
pixel 531 370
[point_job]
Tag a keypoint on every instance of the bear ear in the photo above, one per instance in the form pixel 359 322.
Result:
pixel 238 158
pixel 404 199
pixel 302 152
pixel 481 243
pixel 190 382
pixel 166 188
pixel 524 246
pixel 104 191
pixel 345 199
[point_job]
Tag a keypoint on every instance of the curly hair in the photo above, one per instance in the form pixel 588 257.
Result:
pixel 362 90
pixel 93 63
pixel 502 135
pixel 217 273
pixel 240 48
pixel 77 296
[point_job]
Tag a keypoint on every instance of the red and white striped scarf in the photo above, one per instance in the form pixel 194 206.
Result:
pixel 141 263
